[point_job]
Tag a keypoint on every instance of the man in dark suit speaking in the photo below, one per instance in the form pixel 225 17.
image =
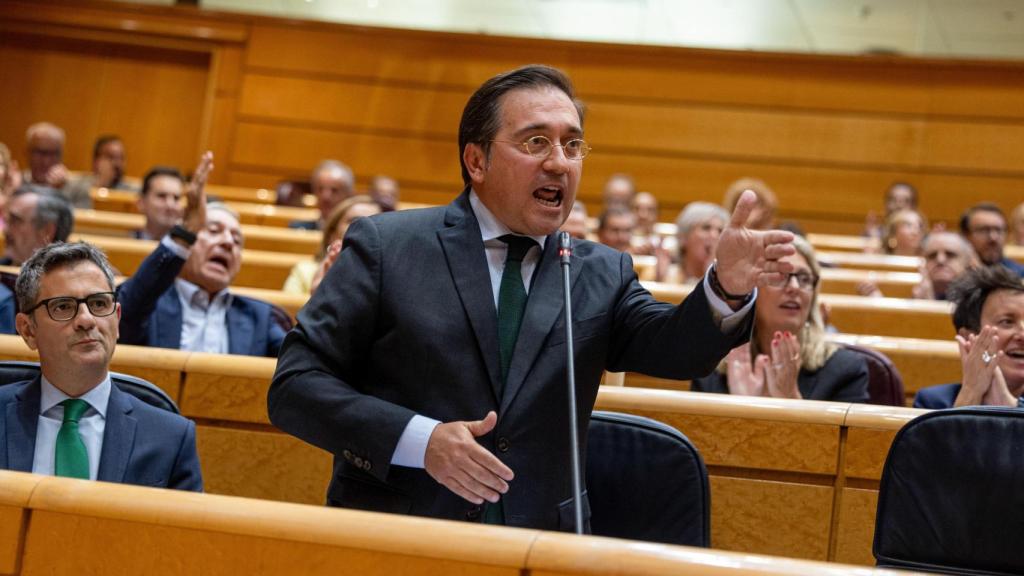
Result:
pixel 431 361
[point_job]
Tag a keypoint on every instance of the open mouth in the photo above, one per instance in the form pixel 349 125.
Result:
pixel 1016 354
pixel 790 305
pixel 219 261
pixel 549 196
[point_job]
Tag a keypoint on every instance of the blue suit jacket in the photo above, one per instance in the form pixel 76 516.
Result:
pixel 142 444
pixel 7 311
pixel 151 311
pixel 937 397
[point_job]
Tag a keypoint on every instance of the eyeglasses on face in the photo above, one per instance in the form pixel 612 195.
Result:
pixel 804 281
pixel 65 308
pixel 989 231
pixel 540 147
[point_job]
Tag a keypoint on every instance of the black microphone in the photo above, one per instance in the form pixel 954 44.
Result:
pixel 565 256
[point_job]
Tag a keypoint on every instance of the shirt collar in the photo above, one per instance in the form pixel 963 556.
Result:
pixel 490 227
pixel 189 292
pixel 97 398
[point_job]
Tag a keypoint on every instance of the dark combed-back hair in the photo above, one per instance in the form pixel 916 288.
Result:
pixel 970 291
pixel 103 141
pixel 157 171
pixel 965 220
pixel 481 118
pixel 51 257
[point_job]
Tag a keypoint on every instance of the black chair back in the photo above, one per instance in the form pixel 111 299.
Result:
pixel 950 499
pixel 12 371
pixel 646 481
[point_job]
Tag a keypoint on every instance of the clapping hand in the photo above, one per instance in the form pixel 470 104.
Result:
pixel 746 257
pixel 979 361
pixel 745 377
pixel 781 374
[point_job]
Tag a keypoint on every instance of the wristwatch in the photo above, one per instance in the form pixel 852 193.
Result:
pixel 181 233
pixel 717 288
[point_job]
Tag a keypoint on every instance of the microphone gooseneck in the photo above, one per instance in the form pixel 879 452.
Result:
pixel 565 257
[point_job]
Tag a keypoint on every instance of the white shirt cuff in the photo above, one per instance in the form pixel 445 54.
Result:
pixel 179 250
pixel 412 445
pixel 726 318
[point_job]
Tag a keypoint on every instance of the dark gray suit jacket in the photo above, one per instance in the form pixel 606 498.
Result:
pixel 843 378
pixel 405 323
pixel 142 444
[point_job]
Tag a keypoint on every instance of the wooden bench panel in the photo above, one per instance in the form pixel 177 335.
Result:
pixel 262 464
pixel 230 388
pixel 768 517
pixel 169 532
pixel 15 491
pixel 855 530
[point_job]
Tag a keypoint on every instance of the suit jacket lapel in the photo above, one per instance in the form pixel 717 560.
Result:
pixel 241 331
pixel 165 324
pixel 22 420
pixel 467 263
pixel 543 308
pixel 118 438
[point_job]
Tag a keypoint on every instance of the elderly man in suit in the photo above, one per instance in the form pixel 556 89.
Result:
pixel 431 362
pixel 180 296
pixel 71 420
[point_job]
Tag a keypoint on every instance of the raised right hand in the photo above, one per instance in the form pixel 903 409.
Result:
pixel 455 460
pixel 194 219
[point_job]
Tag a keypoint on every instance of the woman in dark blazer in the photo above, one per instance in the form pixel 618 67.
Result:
pixel 787 356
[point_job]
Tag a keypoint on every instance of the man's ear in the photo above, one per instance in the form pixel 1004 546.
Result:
pixel 26 328
pixel 475 158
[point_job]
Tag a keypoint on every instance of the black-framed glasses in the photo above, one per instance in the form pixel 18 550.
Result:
pixel 989 231
pixel 804 281
pixel 65 308
pixel 540 147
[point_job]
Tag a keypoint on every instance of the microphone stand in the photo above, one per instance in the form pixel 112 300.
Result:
pixel 564 256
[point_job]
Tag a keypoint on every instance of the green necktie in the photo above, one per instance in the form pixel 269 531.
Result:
pixel 511 299
pixel 511 305
pixel 71 458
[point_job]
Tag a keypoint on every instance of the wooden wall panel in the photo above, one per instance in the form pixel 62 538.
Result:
pixel 152 98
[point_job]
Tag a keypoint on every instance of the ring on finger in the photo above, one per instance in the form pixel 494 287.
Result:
pixel 986 357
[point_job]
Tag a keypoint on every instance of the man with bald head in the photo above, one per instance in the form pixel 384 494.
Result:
pixel 45 147
pixel 331 182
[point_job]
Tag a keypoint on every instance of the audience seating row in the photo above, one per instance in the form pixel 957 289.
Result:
pixel 790 478
pixel 55 525
pixel 269 238
pixel 842 243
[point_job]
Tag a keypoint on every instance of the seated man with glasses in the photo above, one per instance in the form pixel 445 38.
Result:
pixel 71 420
pixel 471 423
pixel 984 226
pixel 787 356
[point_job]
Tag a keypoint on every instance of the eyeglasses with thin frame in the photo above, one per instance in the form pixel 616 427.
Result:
pixel 804 281
pixel 989 231
pixel 540 147
pixel 65 308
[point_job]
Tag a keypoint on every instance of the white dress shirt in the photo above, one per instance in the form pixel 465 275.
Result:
pixel 204 321
pixel 90 427
pixel 412 445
